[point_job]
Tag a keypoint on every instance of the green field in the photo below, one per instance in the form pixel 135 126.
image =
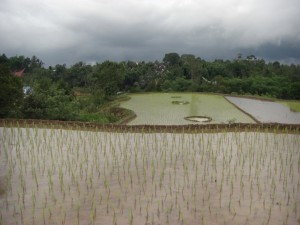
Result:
pixel 157 108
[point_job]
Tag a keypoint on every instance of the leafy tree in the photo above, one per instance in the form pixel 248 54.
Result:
pixel 11 94
pixel 192 67
pixel 179 84
pixel 21 62
pixel 59 72
pixel 216 68
pixel 109 77
pixel 131 77
pixel 35 75
pixel 77 75
pixel 50 101
pixel 239 69
pixel 34 64
pixel 295 91
pixel 171 59
pixel 251 58
pixel 3 59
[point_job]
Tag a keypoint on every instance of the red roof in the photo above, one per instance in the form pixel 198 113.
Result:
pixel 19 73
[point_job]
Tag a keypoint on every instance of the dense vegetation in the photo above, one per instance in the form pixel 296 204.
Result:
pixel 81 91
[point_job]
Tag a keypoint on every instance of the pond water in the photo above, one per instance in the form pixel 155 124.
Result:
pixel 160 109
pixel 265 111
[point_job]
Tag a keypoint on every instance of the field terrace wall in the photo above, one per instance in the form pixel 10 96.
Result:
pixel 191 128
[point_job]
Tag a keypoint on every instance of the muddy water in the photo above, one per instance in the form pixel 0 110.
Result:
pixel 265 111
pixel 75 177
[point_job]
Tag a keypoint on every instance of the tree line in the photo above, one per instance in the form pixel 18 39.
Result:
pixel 54 88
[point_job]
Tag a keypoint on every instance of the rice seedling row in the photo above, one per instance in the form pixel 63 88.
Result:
pixel 55 176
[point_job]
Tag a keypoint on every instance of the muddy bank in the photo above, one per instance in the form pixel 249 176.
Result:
pixel 191 128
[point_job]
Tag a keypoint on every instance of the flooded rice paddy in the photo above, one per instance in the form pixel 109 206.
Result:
pixel 53 176
pixel 173 108
pixel 266 111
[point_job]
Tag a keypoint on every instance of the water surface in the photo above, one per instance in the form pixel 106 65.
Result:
pixel 56 176
pixel 265 111
pixel 157 108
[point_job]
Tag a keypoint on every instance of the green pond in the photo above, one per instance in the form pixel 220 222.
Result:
pixel 172 108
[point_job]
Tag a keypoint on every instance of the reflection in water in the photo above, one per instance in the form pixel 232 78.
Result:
pixel 265 111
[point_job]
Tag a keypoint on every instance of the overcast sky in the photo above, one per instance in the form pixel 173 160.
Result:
pixel 68 31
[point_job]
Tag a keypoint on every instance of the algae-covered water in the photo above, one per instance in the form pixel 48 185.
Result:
pixel 159 109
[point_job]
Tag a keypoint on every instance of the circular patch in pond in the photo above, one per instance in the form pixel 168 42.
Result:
pixel 180 102
pixel 203 119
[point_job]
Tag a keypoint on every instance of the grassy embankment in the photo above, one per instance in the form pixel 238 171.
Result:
pixel 293 105
pixel 109 112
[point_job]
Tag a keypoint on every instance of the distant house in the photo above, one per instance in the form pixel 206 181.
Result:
pixel 27 90
pixel 19 73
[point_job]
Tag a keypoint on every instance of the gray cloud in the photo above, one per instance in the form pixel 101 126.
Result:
pixel 67 31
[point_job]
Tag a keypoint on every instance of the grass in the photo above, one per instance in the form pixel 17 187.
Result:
pixel 110 115
pixel 108 112
pixel 96 117
pixel 293 105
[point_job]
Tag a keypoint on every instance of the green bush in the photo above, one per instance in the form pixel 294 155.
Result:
pixel 50 101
